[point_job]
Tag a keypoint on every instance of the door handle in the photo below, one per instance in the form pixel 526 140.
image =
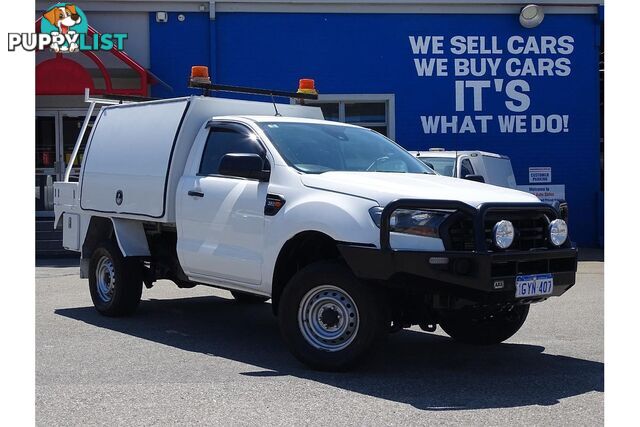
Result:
pixel 195 193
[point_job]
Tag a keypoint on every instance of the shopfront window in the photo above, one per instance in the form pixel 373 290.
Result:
pixel 71 126
pixel 45 142
pixel 56 135
pixel 330 110
pixel 370 111
pixel 45 161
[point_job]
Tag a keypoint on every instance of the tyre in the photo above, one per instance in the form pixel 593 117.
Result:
pixel 245 298
pixel 473 327
pixel 115 282
pixel 328 318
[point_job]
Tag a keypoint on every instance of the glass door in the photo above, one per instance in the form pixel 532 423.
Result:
pixel 71 124
pixel 56 134
pixel 47 160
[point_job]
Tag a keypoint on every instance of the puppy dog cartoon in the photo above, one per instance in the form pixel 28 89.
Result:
pixel 63 18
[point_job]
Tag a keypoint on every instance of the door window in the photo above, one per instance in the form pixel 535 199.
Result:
pixel 224 140
pixel 466 168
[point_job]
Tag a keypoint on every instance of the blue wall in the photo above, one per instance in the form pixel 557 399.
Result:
pixel 176 46
pixel 372 53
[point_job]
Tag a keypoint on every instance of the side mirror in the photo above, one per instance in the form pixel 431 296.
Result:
pixel 244 165
pixel 476 178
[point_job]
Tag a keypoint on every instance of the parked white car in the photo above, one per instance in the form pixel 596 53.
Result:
pixel 347 233
pixel 480 166
pixel 491 168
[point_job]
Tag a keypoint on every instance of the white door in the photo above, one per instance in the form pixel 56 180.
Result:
pixel 221 218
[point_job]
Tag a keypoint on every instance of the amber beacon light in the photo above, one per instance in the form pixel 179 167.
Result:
pixel 200 74
pixel 307 86
pixel 200 79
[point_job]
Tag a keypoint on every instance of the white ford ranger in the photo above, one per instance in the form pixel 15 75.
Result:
pixel 348 234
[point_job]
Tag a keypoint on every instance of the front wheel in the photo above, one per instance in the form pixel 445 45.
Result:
pixel 485 328
pixel 115 281
pixel 328 318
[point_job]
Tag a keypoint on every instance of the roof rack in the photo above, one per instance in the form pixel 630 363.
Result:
pixel 126 98
pixel 199 79
pixel 207 87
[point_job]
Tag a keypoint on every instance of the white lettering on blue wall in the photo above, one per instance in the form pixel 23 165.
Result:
pixel 493 66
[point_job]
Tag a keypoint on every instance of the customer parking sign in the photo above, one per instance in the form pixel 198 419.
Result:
pixel 539 175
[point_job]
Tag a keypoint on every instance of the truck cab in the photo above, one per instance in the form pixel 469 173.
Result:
pixel 491 168
pixel 348 234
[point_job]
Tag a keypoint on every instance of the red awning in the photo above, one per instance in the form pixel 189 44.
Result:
pixel 64 76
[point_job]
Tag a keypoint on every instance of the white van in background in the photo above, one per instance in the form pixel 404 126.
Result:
pixel 490 168
pixel 481 166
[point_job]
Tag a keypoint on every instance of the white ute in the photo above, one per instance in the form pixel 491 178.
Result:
pixel 481 166
pixel 349 235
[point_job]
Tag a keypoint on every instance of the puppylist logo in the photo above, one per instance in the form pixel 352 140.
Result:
pixel 64 29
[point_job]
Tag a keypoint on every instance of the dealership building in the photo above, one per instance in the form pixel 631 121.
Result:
pixel 459 75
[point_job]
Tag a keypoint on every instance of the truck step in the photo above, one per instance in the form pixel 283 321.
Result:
pixel 44 225
pixel 49 245
pixel 49 235
pixel 55 253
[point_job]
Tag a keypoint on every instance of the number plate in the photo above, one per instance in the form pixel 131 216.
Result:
pixel 534 285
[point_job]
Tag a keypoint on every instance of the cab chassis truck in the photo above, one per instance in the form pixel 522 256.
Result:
pixel 349 235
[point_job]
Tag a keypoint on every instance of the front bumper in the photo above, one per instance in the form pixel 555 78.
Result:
pixel 476 273
pixel 465 273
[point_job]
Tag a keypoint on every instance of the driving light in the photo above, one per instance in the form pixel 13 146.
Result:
pixel 419 222
pixel 531 16
pixel 558 232
pixel 503 234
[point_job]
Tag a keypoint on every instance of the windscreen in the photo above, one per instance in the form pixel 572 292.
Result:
pixel 443 165
pixel 499 172
pixel 318 148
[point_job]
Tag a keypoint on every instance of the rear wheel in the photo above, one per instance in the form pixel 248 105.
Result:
pixel 245 298
pixel 328 318
pixel 485 328
pixel 115 282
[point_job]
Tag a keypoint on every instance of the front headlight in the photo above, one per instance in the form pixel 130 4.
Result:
pixel 558 232
pixel 419 222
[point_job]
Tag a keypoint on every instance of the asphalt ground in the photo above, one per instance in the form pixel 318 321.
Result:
pixel 194 356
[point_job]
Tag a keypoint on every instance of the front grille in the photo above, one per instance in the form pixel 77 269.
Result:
pixel 530 226
pixel 513 268
pixel 461 236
